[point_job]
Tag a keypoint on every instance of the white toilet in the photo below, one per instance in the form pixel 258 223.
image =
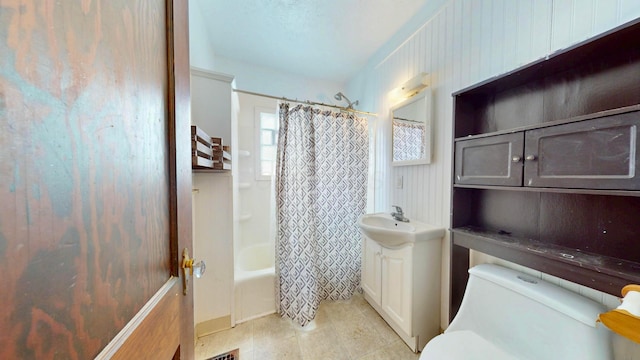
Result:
pixel 506 314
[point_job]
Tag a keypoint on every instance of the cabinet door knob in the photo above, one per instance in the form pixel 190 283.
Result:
pixel 516 159
pixel 530 157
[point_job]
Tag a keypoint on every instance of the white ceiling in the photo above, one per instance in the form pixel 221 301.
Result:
pixel 325 39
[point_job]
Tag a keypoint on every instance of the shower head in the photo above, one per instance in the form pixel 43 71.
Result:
pixel 340 96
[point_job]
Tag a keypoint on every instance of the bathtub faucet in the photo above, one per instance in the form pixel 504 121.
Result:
pixel 398 214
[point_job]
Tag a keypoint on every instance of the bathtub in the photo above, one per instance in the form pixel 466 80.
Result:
pixel 254 282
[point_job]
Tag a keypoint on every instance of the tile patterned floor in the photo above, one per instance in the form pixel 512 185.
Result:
pixel 343 330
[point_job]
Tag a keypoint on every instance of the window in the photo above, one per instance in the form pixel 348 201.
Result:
pixel 267 142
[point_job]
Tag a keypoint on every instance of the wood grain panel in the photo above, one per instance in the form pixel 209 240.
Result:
pixel 140 339
pixel 83 127
pixel 180 168
pixel 595 87
pixel 598 224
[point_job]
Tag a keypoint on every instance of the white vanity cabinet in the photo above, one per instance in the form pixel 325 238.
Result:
pixel 371 269
pixel 403 285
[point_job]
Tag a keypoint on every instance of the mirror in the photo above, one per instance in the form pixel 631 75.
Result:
pixel 411 130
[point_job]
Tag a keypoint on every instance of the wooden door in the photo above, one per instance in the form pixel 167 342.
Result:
pixel 599 153
pixel 95 179
pixel 491 160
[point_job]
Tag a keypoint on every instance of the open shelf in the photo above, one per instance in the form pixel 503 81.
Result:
pixel 552 190
pixel 593 270
pixel 208 153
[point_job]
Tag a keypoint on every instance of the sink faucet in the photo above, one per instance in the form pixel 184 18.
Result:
pixel 398 214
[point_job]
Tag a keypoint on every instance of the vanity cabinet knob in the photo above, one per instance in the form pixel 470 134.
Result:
pixel 530 157
pixel 516 159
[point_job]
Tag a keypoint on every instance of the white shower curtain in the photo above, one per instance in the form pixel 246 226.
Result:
pixel 321 187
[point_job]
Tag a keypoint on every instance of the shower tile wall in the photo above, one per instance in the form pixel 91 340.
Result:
pixel 465 42
pixel 255 196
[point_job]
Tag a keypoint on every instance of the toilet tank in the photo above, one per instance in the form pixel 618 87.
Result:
pixel 531 318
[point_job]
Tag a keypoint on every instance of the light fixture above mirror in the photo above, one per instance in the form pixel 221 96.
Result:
pixel 410 87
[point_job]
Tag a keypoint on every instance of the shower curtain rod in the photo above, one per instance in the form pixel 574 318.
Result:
pixel 304 102
pixel 407 120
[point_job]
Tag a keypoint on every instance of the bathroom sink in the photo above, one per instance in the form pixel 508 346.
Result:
pixel 388 232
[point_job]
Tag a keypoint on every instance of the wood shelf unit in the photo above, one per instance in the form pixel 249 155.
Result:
pixel 208 153
pixel 576 227
pixel 601 271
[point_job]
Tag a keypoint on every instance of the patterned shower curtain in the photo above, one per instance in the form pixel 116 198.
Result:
pixel 321 186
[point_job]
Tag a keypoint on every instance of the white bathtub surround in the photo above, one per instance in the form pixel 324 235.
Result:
pixel 321 186
pixel 255 282
pixel 254 242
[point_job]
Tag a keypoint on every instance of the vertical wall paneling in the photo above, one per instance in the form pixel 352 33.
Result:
pixel 562 19
pixel 540 35
pixel 628 10
pixel 443 124
pixel 583 18
pixel 487 43
pixel 466 34
pixel 444 127
pixel 607 11
pixel 498 32
pixel 476 36
pixel 525 33
pixel 510 28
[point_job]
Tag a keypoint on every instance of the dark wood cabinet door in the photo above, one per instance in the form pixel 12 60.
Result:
pixel 591 154
pixel 493 160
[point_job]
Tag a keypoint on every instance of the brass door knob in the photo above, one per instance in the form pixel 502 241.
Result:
pixel 198 269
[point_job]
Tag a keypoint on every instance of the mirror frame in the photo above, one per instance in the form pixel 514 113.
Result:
pixel 423 96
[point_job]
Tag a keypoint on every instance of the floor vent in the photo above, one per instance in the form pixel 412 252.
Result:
pixel 229 355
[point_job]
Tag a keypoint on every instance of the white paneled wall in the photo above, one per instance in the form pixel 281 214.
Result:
pixel 465 42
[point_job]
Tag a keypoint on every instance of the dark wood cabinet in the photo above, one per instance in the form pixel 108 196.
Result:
pixel 545 166
pixel 492 160
pixel 593 153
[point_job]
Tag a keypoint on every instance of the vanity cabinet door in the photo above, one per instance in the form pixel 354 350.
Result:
pixel 492 160
pixel 591 154
pixel 397 285
pixel 371 271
